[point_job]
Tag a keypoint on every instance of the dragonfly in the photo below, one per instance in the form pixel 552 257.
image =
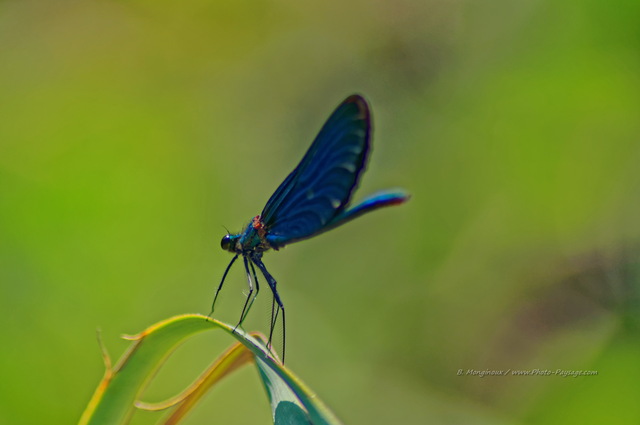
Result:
pixel 314 198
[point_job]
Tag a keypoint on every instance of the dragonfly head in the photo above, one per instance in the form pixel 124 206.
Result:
pixel 230 242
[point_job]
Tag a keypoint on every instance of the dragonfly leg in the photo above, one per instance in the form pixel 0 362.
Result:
pixel 224 276
pixel 255 279
pixel 280 307
pixel 250 299
pixel 274 316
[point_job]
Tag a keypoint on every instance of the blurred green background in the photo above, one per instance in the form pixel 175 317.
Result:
pixel 132 132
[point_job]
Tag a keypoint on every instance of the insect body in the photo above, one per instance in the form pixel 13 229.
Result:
pixel 312 199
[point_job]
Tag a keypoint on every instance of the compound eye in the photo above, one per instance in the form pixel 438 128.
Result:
pixel 226 243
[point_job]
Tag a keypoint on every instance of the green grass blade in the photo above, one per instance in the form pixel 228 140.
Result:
pixel 115 398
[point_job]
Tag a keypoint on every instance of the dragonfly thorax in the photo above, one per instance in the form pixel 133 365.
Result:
pixel 253 239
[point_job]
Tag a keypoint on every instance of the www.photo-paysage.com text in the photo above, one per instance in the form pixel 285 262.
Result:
pixel 564 373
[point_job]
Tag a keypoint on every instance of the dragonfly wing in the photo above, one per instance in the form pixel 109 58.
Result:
pixel 320 187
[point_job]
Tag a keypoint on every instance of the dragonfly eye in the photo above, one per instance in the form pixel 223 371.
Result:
pixel 228 243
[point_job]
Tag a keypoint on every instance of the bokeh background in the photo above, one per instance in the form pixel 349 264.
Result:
pixel 132 132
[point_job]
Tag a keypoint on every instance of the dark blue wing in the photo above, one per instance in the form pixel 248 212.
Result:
pixel 320 187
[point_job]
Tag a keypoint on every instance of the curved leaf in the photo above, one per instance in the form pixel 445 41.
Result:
pixel 115 399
